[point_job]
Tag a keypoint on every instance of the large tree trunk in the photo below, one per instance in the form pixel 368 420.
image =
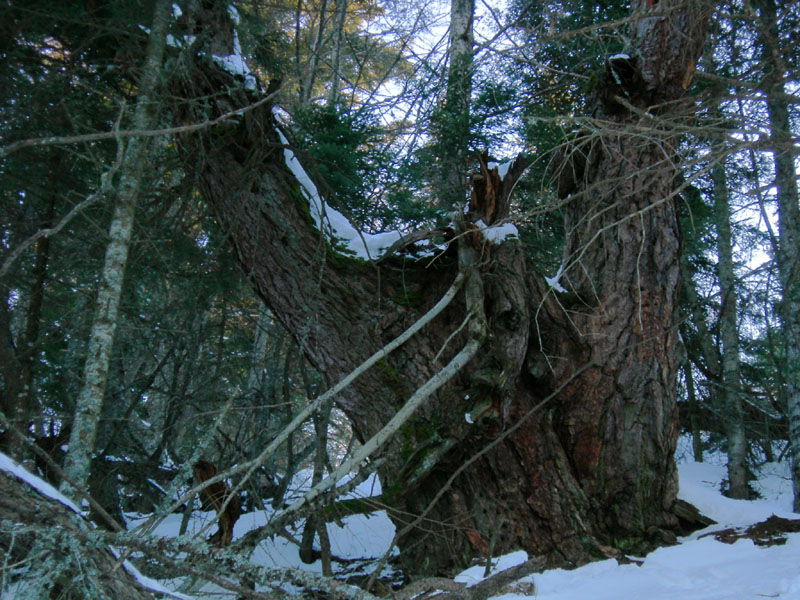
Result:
pixel 594 466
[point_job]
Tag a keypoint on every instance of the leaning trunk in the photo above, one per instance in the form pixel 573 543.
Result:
pixel 558 436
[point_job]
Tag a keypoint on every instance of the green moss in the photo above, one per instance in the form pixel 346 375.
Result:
pixel 591 84
pixel 353 506
pixel 633 545
pixel 341 260
pixel 409 298
pixel 415 435
pixel 340 257
pixel 391 379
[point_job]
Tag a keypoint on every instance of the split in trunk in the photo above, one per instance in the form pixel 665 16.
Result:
pixel 593 467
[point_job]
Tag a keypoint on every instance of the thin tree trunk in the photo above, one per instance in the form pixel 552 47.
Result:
pixel 258 355
pixel 788 259
pixel 733 415
pixel 20 402
pixel 313 524
pixel 101 338
pixel 454 125
pixel 338 36
pixel 691 392
pixel 308 76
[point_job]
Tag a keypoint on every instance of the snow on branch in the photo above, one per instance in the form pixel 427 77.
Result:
pixel 13 468
pixel 336 227
pixel 497 234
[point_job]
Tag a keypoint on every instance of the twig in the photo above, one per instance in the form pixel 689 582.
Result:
pixel 105 135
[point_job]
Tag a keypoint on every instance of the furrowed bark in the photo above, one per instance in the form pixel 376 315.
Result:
pixel 594 467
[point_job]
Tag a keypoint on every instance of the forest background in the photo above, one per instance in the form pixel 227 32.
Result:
pixel 550 157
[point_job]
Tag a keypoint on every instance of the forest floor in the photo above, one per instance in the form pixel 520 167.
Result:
pixel 729 560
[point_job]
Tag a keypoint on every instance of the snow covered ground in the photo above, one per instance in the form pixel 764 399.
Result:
pixel 699 568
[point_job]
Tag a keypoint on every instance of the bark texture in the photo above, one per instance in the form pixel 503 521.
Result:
pixel 729 334
pixel 101 338
pixel 591 469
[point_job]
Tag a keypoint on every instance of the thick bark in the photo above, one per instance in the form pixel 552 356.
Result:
pixel 592 468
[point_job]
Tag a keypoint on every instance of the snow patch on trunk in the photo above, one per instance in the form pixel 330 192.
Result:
pixel 11 466
pixel 553 281
pixel 497 234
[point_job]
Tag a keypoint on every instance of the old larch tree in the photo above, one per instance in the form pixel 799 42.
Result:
pixel 590 468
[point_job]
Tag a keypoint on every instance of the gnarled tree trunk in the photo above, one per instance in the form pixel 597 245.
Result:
pixel 594 466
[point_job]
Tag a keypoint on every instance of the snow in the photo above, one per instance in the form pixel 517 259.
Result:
pixel 352 537
pixel 619 56
pixel 339 230
pixel 553 281
pixel 235 63
pixel 497 234
pixel 476 574
pixel 698 568
pixel 174 42
pixel 502 168
pixel 701 570
pixel 11 466
pixel 233 14
pixel 148 582
pixel 335 225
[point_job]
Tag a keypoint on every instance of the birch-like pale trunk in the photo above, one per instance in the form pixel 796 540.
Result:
pixel 308 76
pixel 732 401
pixel 101 338
pixel 336 64
pixel 455 122
pixel 788 254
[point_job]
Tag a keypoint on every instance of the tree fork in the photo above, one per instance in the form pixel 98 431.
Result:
pixel 595 468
